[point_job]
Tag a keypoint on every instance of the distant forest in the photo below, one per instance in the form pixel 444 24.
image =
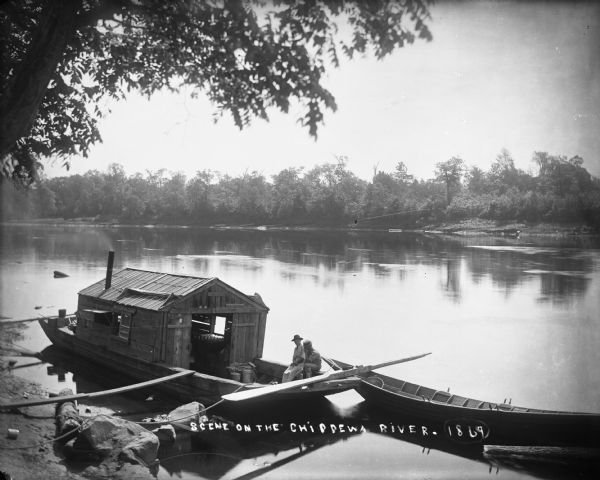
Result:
pixel 556 189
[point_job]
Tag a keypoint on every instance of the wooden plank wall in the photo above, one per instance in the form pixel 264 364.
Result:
pixel 218 300
pixel 244 337
pixel 179 340
pixel 145 334
pixel 90 331
pixel 249 321
pixel 260 338
pixel 156 338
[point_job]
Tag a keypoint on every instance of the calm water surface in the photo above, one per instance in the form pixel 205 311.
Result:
pixel 505 319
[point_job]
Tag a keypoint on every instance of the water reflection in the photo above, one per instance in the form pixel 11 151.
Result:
pixel 240 456
pixel 565 273
pixel 452 283
pixel 504 318
pixel 286 454
pixel 509 264
pixel 562 287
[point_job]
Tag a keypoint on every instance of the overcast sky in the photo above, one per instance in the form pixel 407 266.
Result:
pixel 523 76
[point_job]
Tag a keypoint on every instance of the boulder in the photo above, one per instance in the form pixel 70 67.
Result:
pixel 184 415
pixel 165 433
pixel 141 450
pixel 105 435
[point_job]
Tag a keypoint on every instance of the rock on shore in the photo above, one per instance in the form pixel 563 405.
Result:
pixel 116 439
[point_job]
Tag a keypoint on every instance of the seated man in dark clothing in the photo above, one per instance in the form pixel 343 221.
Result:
pixel 297 366
pixel 312 364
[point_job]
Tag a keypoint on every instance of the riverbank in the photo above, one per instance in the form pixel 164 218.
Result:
pixel 33 454
pixel 469 227
pixel 477 226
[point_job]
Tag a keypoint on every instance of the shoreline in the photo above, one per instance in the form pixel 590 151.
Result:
pixel 33 454
pixel 470 227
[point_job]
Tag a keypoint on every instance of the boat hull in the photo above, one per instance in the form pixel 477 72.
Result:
pixel 493 424
pixel 201 387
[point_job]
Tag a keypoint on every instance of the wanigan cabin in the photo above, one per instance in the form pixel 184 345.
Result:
pixel 190 322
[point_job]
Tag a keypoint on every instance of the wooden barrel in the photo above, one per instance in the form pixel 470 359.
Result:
pixel 247 375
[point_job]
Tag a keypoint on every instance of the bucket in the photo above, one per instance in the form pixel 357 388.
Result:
pixel 235 376
pixel 12 433
pixel 62 313
pixel 247 375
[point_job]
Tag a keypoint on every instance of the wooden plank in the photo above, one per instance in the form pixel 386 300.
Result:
pixel 260 334
pixel 332 375
pixel 142 347
pixel 23 320
pixel 163 338
pixel 103 393
pixel 144 337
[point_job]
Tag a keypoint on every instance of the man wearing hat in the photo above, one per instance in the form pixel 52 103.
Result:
pixel 312 361
pixel 297 365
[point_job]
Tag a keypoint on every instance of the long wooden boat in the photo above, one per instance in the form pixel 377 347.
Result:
pixel 417 410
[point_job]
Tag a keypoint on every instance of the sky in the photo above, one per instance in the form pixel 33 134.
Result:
pixel 524 76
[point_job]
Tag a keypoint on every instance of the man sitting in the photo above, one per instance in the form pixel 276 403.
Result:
pixel 312 364
pixel 297 365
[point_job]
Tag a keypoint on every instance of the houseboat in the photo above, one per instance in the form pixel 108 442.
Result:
pixel 147 325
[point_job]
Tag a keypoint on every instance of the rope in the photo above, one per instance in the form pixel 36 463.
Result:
pixel 169 421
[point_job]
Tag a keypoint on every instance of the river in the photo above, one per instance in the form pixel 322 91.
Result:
pixel 505 319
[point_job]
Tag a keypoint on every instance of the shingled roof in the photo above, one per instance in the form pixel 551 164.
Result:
pixel 145 289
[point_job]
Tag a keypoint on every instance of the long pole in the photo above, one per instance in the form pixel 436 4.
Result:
pixel 334 375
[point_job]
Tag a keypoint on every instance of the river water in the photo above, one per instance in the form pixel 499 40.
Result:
pixel 504 318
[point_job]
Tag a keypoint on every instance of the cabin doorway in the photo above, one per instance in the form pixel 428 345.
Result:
pixel 211 339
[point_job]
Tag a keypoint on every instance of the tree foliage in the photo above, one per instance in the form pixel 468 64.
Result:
pixel 450 173
pixel 326 195
pixel 60 58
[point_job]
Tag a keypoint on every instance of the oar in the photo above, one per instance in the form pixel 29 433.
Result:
pixel 333 375
pixel 331 363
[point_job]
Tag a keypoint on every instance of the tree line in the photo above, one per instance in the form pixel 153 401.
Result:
pixel 556 189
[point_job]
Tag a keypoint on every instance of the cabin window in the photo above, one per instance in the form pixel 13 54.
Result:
pixel 218 326
pixel 102 318
pixel 208 324
pixel 97 317
pixel 122 326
